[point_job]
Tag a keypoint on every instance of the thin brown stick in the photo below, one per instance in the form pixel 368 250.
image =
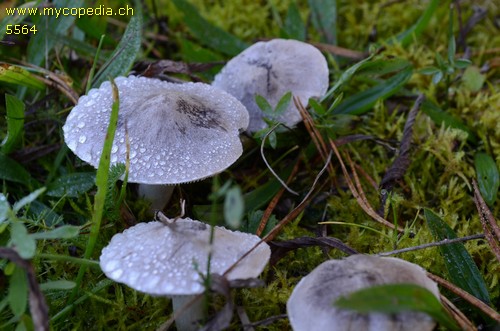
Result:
pixel 37 303
pixel 316 136
pixel 433 244
pixel 340 51
pixel 466 296
pixel 458 316
pixel 487 222
pixel 370 180
pixel 245 321
pixel 359 196
pixel 490 226
pixel 54 80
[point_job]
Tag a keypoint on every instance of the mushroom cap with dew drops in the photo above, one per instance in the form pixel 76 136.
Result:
pixel 310 307
pixel 272 69
pixel 161 259
pixel 177 132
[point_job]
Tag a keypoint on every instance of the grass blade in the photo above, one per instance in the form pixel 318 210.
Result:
pixel 383 67
pixel 44 40
pixel 62 232
pixel 15 123
pixel 208 34
pixel 125 53
pixel 19 76
pixel 487 177
pixel 462 270
pixel 362 102
pixel 346 76
pixel 439 117
pixel 294 27
pixel 102 187
pixel 13 171
pixel 407 37
pixel 324 19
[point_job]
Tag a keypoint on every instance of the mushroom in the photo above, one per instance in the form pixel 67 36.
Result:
pixel 272 69
pixel 169 258
pixel 178 133
pixel 310 307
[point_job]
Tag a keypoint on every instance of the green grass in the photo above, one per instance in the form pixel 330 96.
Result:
pixel 414 50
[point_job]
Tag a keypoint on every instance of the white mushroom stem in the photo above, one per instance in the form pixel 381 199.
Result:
pixel 188 312
pixel 158 195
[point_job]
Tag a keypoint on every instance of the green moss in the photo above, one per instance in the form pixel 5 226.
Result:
pixel 248 20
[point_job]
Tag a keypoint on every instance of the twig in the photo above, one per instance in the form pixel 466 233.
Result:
pixel 457 315
pixel 53 80
pixel 266 321
pixel 280 248
pixel 38 306
pixel 340 51
pixel 267 163
pixel 314 133
pixel 245 321
pixel 434 244
pixel 466 296
pixel 359 195
pixel 490 226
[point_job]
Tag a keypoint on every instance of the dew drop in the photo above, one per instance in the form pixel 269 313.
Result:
pixel 72 145
pixel 82 139
pixel 116 274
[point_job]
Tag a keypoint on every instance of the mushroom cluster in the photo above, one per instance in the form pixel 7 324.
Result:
pixel 271 69
pixel 170 259
pixel 310 307
pixel 178 133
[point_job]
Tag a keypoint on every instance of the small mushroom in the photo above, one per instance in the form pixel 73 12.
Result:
pixel 310 307
pixel 178 133
pixel 272 69
pixel 168 259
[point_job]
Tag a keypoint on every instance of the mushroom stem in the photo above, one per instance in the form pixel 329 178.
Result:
pixel 189 317
pixel 158 195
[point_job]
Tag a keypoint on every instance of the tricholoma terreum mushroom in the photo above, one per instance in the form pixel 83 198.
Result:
pixel 167 259
pixel 178 133
pixel 272 69
pixel 310 307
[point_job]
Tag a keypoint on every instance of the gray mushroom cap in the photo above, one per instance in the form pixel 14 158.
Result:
pixel 178 132
pixel 272 69
pixel 166 260
pixel 310 307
